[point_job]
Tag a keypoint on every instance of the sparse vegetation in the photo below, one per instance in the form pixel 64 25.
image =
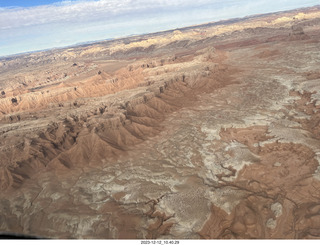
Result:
pixel 14 100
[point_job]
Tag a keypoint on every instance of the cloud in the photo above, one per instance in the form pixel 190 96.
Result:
pixel 89 10
pixel 77 11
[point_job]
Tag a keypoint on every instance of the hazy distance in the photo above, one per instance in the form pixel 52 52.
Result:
pixel 34 25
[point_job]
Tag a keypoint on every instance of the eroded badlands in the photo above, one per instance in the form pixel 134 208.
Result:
pixel 205 132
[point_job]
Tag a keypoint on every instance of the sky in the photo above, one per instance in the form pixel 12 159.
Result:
pixel 35 25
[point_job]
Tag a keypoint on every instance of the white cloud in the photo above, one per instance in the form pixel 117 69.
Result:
pixel 77 11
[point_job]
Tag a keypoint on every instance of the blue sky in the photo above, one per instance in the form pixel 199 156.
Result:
pixel 34 25
pixel 25 3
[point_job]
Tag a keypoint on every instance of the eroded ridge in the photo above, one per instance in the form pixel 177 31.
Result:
pixel 103 129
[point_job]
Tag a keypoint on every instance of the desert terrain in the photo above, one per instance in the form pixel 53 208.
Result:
pixel 206 132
